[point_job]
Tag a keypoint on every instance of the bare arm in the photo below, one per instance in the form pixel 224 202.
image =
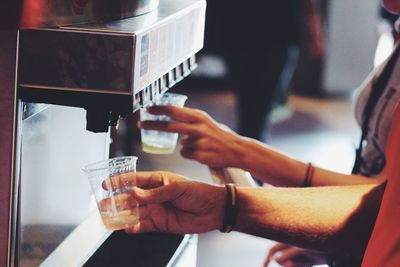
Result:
pixel 208 142
pixel 325 218
pixel 279 169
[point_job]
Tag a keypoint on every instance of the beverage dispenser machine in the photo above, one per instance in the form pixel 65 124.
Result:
pixel 70 69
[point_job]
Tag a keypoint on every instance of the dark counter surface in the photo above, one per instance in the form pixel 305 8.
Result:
pixel 147 250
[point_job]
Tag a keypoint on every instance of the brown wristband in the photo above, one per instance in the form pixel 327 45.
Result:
pixel 230 212
pixel 309 175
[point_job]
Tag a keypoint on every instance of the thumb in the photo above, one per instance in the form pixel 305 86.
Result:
pixel 157 195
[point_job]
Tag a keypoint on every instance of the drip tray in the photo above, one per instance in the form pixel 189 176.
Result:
pixel 139 250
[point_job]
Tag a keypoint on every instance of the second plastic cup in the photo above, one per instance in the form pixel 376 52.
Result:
pixel 109 185
pixel 159 142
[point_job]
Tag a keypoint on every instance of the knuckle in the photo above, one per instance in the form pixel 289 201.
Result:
pixel 202 129
pixel 187 153
pixel 203 143
pixel 200 114
pixel 203 115
pixel 169 127
pixel 166 177
pixel 184 152
pixel 170 110
pixel 157 176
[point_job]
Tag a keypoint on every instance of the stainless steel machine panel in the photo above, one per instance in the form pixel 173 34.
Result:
pixel 121 57
pixel 55 193
pixel 105 67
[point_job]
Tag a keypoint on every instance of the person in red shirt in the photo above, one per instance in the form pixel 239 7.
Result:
pixel 384 245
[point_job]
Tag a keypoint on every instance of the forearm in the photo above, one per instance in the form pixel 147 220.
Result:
pixel 269 165
pixel 323 177
pixel 327 218
pixel 279 169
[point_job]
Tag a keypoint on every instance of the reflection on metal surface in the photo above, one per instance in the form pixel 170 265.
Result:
pixel 79 246
pixel 66 59
pixel 14 228
pixel 31 109
pixel 39 241
pixel 47 13
pixel 55 194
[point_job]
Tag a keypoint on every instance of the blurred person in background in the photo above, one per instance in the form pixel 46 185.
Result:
pixel 308 76
pixel 259 43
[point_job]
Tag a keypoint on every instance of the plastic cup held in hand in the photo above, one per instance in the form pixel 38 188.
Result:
pixel 109 185
pixel 159 142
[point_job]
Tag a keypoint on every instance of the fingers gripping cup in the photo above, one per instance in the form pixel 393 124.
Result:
pixel 110 186
pixel 159 142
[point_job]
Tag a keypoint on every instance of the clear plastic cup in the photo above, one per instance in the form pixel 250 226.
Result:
pixel 159 142
pixel 116 210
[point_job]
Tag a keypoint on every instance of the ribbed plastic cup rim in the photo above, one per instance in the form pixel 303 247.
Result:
pixel 104 164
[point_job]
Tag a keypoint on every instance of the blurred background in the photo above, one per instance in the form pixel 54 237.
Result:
pixel 333 47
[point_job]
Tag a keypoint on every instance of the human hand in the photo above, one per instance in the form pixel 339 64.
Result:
pixel 289 256
pixel 170 203
pixel 204 140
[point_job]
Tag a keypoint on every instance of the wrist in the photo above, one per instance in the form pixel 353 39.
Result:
pixel 230 210
pixel 270 165
pixel 218 213
pixel 242 153
pixel 247 212
pixel 255 157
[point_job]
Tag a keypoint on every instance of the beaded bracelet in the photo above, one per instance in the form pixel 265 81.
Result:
pixel 309 175
pixel 230 212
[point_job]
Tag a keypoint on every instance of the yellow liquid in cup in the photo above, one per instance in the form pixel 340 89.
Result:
pixel 158 148
pixel 120 220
